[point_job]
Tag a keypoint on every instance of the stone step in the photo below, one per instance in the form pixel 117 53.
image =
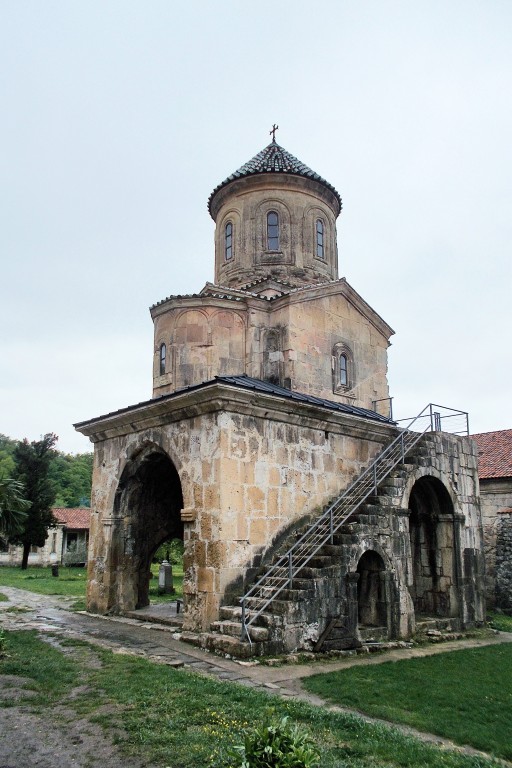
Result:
pixel 332 550
pixel 222 644
pixel 373 634
pixel 308 571
pixel 436 623
pixel 234 629
pixel 234 613
pixel 392 482
pixel 156 618
pixel 294 595
pixel 320 561
pixel 301 584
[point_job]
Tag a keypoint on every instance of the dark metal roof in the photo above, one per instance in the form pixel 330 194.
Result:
pixel 247 382
pixel 257 385
pixel 274 159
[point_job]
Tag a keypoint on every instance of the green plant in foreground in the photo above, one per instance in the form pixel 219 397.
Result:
pixel 277 745
pixel 2 643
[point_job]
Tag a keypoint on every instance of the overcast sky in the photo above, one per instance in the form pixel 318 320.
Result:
pixel 119 118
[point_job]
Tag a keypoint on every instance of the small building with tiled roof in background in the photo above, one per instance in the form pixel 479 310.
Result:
pixel 67 541
pixel 75 524
pixel 495 473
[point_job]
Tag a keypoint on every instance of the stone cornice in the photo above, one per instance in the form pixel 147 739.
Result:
pixel 215 397
pixel 220 296
pixel 274 181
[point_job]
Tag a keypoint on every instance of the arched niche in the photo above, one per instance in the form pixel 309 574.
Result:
pixel 372 593
pixel 433 549
pixel 191 342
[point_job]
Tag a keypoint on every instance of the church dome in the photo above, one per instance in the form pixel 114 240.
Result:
pixel 273 159
pixel 275 217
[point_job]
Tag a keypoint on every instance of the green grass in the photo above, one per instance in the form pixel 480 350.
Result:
pixel 177 580
pixel 500 621
pixel 464 695
pixel 70 581
pixel 51 675
pixel 3 598
pixel 182 720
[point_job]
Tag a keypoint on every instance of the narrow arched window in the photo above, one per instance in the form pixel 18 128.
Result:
pixel 319 239
pixel 343 371
pixel 163 354
pixel 272 231
pixel 228 241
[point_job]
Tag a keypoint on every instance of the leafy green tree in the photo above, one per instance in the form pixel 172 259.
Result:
pixel 171 550
pixel 70 474
pixel 7 448
pixel 71 477
pixel 13 507
pixel 32 469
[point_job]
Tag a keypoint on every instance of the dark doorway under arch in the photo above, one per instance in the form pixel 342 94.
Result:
pixel 371 592
pixel 432 538
pixel 148 501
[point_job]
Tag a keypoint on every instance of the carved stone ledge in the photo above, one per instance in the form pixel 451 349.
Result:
pixel 188 514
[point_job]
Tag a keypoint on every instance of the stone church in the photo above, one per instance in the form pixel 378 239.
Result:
pixel 310 519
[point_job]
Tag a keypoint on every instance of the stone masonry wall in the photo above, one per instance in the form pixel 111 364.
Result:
pixel 270 475
pixel 496 498
pixel 245 481
pixel 292 341
pixel 361 584
pixel 314 328
pixel 250 470
pixel 384 528
pixel 504 563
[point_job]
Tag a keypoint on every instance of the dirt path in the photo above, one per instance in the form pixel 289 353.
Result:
pixel 58 738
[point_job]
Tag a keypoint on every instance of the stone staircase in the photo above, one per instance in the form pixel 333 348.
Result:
pixel 313 597
pixel 434 629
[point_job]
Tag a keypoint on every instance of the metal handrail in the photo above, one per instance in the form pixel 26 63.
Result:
pixel 439 413
pixel 280 575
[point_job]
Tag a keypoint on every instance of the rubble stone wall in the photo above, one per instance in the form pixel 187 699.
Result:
pixel 496 499
pixel 504 563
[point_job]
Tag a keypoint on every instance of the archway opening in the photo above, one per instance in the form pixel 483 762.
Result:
pixel 372 603
pixel 432 540
pixel 148 501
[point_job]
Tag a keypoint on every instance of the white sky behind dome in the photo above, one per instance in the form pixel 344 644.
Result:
pixel 119 118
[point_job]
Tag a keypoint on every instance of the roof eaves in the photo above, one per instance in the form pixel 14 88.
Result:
pixel 274 159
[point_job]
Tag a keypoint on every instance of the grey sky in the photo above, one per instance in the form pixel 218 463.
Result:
pixel 119 118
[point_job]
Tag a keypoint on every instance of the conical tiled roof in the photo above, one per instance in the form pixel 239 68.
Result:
pixel 273 159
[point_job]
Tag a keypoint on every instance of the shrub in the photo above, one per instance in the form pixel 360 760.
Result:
pixel 276 745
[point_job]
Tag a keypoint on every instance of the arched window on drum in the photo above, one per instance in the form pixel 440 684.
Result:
pixel 319 239
pixel 162 359
pixel 272 231
pixel 228 241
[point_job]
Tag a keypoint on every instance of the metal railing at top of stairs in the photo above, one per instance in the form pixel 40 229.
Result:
pixel 280 576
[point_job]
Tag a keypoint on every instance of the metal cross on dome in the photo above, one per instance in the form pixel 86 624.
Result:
pixel 273 131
